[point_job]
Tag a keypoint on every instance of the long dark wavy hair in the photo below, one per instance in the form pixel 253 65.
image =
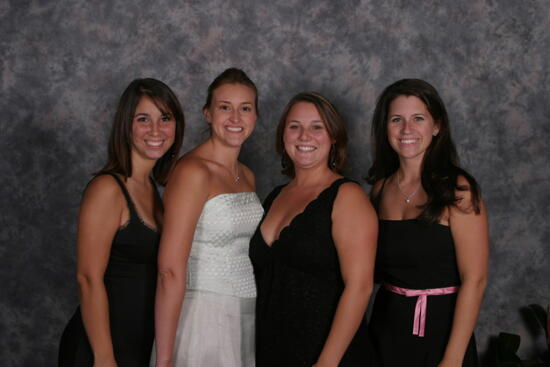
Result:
pixel 120 142
pixel 440 165
pixel 333 123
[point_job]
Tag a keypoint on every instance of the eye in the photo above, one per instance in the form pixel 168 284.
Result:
pixel 318 127
pixel 395 119
pixel 293 126
pixel 142 119
pixel 419 118
pixel 166 118
pixel 247 109
pixel 224 107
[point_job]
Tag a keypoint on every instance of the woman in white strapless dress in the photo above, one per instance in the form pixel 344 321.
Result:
pixel 204 312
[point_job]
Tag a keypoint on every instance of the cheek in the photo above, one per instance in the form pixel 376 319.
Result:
pixel 288 139
pixel 138 130
pixel 170 133
pixel 251 121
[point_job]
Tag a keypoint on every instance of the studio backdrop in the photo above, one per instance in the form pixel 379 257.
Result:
pixel 65 63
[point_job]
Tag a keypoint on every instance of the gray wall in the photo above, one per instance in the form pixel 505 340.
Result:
pixel 65 63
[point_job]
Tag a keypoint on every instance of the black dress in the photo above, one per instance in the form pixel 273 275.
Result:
pixel 414 255
pixel 299 286
pixel 130 281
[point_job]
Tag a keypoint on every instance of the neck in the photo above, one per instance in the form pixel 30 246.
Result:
pixel 317 176
pixel 224 155
pixel 409 171
pixel 141 169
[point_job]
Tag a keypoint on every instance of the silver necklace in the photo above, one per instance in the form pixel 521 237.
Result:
pixel 237 177
pixel 408 197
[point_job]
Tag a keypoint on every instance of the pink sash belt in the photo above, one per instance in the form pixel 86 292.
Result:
pixel 419 323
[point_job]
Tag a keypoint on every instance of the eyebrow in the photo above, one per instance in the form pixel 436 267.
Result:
pixel 414 114
pixel 223 101
pixel 146 114
pixel 310 121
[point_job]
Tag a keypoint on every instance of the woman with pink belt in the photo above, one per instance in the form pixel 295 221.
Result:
pixel 433 235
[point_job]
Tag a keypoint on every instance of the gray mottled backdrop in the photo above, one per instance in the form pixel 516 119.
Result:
pixel 64 64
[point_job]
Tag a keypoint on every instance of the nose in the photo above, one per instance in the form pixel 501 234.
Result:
pixel 406 126
pixel 155 126
pixel 235 115
pixel 303 134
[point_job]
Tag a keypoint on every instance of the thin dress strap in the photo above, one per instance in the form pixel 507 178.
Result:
pixel 129 201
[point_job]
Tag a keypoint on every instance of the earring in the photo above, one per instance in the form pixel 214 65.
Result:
pixel 332 156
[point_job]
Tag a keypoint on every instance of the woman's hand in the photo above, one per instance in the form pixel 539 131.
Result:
pixel 109 362
pixel 448 363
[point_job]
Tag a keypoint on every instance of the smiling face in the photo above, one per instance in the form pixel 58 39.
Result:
pixel 232 114
pixel 306 139
pixel 153 131
pixel 411 127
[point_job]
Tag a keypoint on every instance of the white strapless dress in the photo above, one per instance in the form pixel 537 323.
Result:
pixel 216 325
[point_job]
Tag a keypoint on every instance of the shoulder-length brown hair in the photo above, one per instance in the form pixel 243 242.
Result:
pixel 120 142
pixel 333 123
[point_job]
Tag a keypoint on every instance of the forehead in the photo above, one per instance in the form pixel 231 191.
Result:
pixel 234 92
pixel 146 103
pixel 410 104
pixel 304 112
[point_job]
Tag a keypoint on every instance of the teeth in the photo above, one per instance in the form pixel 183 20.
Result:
pixel 304 148
pixel 154 143
pixel 235 129
pixel 408 141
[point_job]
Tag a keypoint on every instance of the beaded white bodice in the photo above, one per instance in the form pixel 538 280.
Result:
pixel 219 260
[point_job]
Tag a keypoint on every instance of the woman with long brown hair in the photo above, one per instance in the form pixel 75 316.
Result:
pixel 119 231
pixel 433 236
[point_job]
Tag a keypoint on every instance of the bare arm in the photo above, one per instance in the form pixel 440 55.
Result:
pixel 100 217
pixel 470 235
pixel 184 198
pixel 355 231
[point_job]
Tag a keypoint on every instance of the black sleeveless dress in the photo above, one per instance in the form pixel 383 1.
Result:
pixel 414 255
pixel 299 286
pixel 130 281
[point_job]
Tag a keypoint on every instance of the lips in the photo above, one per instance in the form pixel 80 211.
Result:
pixel 234 129
pixel 154 143
pixel 408 141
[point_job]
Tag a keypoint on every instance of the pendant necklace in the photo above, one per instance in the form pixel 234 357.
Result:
pixel 408 197
pixel 237 177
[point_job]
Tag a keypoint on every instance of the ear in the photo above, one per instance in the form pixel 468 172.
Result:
pixel 436 129
pixel 206 114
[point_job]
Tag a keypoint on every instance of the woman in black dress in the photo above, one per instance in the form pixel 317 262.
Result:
pixel 119 230
pixel 433 236
pixel 313 252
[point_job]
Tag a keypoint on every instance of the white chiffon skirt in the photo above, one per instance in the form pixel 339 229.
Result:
pixel 214 330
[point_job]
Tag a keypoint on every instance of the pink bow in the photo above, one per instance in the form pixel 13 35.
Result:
pixel 419 323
